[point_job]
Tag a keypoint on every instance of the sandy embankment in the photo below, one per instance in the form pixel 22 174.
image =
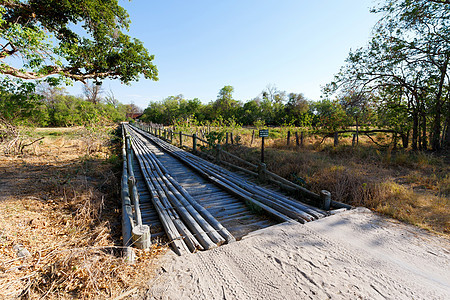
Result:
pixel 351 255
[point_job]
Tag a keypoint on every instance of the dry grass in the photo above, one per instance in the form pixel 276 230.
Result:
pixel 412 187
pixel 60 201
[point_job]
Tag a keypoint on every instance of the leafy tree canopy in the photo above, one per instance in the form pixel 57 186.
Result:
pixel 76 39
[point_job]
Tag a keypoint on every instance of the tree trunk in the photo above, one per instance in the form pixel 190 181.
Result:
pixel 405 139
pixel 357 131
pixel 424 130
pixel 435 143
pixel 415 130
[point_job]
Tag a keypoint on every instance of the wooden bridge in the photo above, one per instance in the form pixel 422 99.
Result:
pixel 171 195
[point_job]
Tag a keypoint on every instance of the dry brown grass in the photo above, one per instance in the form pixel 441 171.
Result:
pixel 412 187
pixel 60 201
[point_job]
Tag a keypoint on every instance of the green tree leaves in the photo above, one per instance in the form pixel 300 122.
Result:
pixel 77 39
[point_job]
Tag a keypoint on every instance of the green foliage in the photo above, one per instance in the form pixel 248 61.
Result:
pixel 79 40
pixel 407 59
pixel 330 115
pixel 20 105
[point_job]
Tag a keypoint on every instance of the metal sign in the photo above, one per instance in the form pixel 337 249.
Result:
pixel 264 133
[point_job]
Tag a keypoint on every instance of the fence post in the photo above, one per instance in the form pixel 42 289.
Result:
pixel 297 142
pixel 165 134
pixel 336 139
pixel 262 169
pixel 253 137
pixel 181 139
pixel 325 196
pixel 218 150
pixel 288 138
pixel 231 138
pixel 194 142
pixel 226 138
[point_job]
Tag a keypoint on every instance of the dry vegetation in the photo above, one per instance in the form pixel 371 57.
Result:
pixel 412 187
pixel 59 200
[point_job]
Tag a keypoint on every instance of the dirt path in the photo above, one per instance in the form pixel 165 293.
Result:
pixel 351 255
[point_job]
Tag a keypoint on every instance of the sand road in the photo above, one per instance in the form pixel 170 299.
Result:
pixel 352 255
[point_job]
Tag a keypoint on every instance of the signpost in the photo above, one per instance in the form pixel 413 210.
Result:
pixel 262 134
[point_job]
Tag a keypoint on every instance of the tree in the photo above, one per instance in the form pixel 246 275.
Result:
pixel 92 92
pixel 132 109
pixel 45 35
pixel 225 106
pixel 409 53
pixel 296 110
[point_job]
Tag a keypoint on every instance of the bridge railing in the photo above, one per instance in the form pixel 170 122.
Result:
pixel 219 156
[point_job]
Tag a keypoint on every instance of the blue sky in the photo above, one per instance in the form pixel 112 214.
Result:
pixel 201 46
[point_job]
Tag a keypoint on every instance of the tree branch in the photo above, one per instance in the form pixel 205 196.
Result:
pixel 53 70
pixel 440 1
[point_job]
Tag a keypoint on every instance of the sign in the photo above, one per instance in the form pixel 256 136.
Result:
pixel 264 133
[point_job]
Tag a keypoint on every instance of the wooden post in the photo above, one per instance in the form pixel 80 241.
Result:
pixel 262 168
pixel 181 139
pixel 354 140
pixel 253 137
pixel 297 142
pixel 325 196
pixel 218 150
pixel 262 150
pixel 194 142
pixel 141 237
pixel 231 138
pixel 226 138
pixel 159 132
pixel 288 138
pixel 336 139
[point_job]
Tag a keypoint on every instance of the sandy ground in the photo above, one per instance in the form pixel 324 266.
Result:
pixel 351 255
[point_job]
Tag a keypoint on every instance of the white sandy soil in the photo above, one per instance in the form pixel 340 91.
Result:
pixel 351 255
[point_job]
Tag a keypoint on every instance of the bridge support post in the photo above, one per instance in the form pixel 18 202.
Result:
pixel 218 149
pixel 262 169
pixel 141 237
pixel 181 139
pixel 194 142
pixel 325 197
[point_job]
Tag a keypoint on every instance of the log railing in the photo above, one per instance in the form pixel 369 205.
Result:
pixel 260 170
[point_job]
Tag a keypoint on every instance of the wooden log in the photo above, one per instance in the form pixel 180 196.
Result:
pixel 171 230
pixel 194 143
pixel 132 185
pixel 337 204
pixel 141 236
pixel 239 168
pixel 160 169
pixel 191 218
pixel 190 160
pixel 239 159
pixel 325 196
pixel 305 192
